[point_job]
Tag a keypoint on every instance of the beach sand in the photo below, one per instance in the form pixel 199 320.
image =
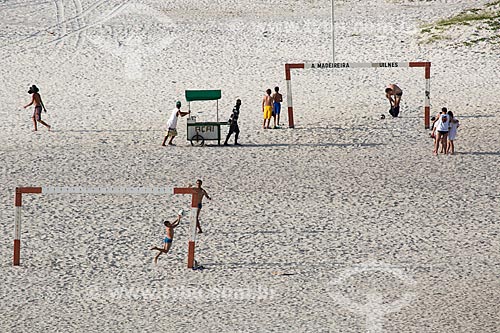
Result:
pixel 346 223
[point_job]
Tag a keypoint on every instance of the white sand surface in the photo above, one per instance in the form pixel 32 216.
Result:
pixel 346 223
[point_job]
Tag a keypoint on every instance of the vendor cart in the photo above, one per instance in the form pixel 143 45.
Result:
pixel 199 132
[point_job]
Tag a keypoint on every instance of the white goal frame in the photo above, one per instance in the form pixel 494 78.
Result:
pixel 104 190
pixel 344 65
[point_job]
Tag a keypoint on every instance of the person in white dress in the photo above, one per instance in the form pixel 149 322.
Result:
pixel 452 133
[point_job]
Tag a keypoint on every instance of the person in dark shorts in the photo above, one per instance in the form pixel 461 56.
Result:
pixel 277 99
pixel 393 93
pixel 233 124
pixel 36 100
pixel 200 194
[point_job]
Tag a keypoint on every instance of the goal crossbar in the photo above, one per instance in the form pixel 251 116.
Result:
pixel 103 190
pixel 343 65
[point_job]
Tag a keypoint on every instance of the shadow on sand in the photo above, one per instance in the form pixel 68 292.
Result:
pixel 291 145
pixel 270 232
pixel 108 130
pixel 477 116
pixel 480 153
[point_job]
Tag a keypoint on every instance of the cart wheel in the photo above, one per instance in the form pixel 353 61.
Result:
pixel 197 140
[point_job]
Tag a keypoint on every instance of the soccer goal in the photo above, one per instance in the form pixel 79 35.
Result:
pixel 347 65
pixel 105 190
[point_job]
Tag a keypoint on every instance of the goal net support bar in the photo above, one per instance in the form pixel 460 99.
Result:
pixel 344 65
pixel 102 190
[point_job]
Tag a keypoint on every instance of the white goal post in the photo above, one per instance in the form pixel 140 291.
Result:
pixel 344 65
pixel 104 190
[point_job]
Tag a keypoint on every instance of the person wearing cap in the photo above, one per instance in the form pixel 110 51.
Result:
pixel 172 123
pixel 36 100
pixel 233 124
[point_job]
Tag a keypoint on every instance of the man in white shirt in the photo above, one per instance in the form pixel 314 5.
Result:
pixel 172 123
pixel 442 126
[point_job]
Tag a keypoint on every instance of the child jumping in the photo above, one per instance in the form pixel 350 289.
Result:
pixel 37 101
pixel 167 241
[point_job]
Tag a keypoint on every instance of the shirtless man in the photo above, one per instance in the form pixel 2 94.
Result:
pixel 277 98
pixel 167 241
pixel 37 101
pixel 267 108
pixel 200 194
pixel 391 91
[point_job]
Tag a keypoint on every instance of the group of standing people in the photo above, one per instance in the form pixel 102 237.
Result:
pixel 444 131
pixel 444 126
pixel 271 107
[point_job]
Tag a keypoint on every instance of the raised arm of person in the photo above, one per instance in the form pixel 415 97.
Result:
pixel 182 114
pixel 176 223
